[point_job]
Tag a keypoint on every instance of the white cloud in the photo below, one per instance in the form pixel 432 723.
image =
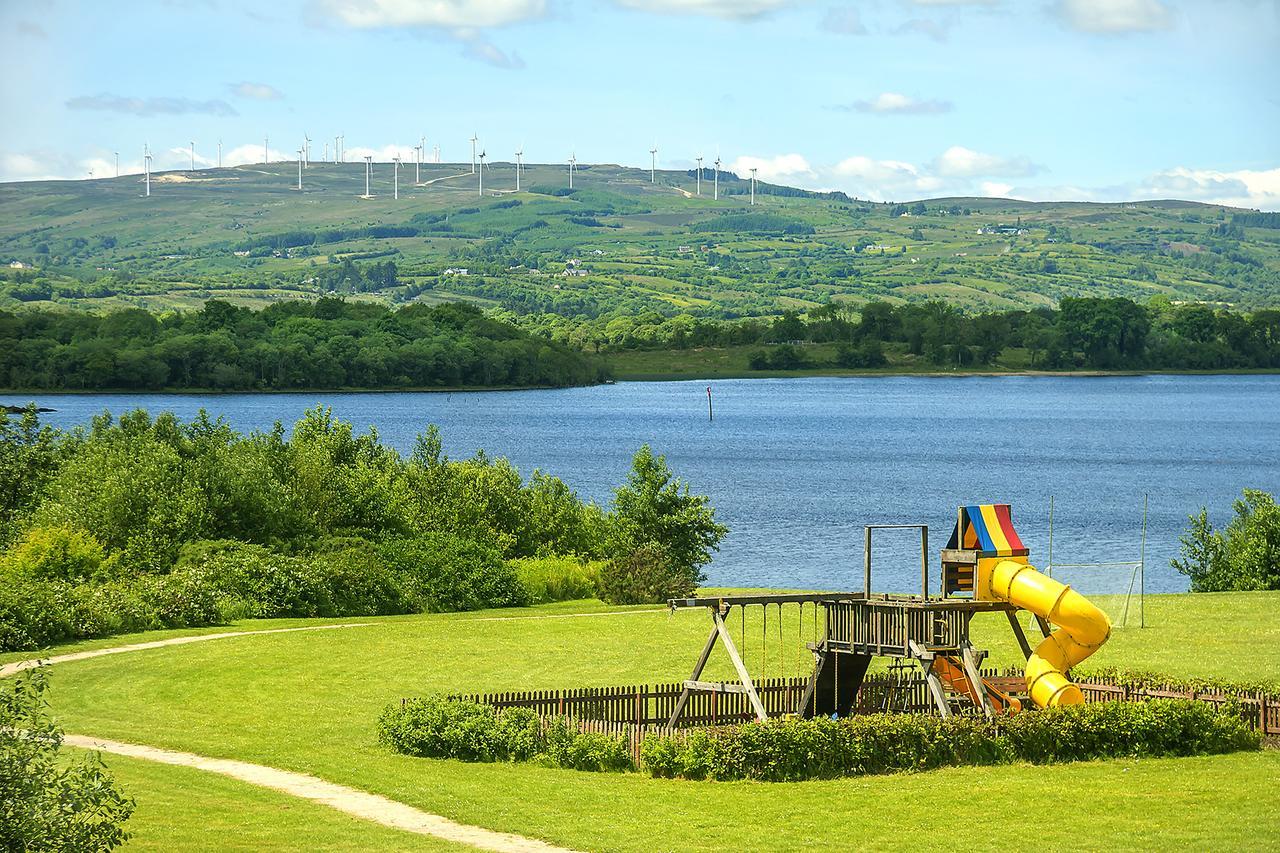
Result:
pixel 779 169
pixel 732 9
pixel 1115 16
pixel 1241 188
pixel 126 105
pixel 960 162
pixel 894 103
pixel 995 189
pixel 448 14
pixel 255 91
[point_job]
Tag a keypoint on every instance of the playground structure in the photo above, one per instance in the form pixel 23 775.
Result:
pixel 984 570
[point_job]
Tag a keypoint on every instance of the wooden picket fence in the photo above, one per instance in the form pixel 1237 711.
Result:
pixel 631 712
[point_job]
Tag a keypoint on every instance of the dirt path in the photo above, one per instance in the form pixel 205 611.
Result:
pixel 352 801
pixel 18 666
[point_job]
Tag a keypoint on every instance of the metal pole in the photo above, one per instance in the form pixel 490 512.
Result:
pixel 866 561
pixel 924 561
pixel 1142 569
pixel 710 414
pixel 1050 567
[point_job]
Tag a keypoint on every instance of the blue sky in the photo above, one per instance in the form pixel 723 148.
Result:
pixel 886 99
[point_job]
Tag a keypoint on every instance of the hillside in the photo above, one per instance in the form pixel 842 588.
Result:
pixel 617 243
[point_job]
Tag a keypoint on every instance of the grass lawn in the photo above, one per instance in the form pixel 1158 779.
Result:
pixel 180 808
pixel 307 701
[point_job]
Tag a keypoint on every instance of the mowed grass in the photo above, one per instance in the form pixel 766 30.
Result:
pixel 308 701
pixel 181 808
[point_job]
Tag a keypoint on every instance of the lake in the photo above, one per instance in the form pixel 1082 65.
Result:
pixel 796 467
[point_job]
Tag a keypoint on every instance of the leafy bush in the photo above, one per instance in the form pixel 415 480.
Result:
pixel 446 573
pixel 659 536
pixel 56 553
pixel 439 727
pixel 33 614
pixel 46 801
pixel 647 575
pixel 1244 557
pixel 789 750
pixel 548 579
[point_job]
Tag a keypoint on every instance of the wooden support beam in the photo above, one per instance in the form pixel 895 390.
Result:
pixel 802 710
pixel 1019 634
pixel 697 671
pixel 743 675
pixel 715 686
pixel 935 688
pixel 1045 627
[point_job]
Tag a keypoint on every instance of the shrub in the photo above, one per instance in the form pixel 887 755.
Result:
pixel 47 801
pixel 33 614
pixel 57 552
pixel 439 727
pixel 445 573
pixel 253 581
pixel 647 575
pixel 1246 556
pixel 548 579
pixel 788 750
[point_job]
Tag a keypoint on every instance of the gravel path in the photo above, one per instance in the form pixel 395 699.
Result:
pixel 352 801
pixel 18 666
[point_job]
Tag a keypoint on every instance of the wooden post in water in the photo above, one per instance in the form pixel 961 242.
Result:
pixel 710 414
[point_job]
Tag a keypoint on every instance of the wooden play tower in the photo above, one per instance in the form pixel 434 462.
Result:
pixel 931 629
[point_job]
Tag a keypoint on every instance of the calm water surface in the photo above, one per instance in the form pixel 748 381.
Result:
pixel 795 467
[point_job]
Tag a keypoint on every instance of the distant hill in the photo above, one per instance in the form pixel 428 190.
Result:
pixel 615 243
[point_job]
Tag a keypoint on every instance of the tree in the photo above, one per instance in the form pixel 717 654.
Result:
pixel 655 508
pixel 46 802
pixel 1244 557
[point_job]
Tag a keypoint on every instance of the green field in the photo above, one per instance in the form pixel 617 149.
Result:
pixel 307 702
pixel 641 247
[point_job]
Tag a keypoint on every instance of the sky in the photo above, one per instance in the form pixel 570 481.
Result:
pixel 1096 100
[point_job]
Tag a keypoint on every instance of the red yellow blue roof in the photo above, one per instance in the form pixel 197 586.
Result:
pixel 987 528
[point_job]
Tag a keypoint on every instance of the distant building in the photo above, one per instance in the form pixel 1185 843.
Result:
pixel 457 271
pixel 684 250
pixel 19 265
pixel 241 254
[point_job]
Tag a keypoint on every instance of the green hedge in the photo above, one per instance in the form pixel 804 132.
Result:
pixel 438 727
pixel 791 750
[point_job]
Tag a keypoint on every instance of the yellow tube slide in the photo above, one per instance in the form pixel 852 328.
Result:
pixel 1082 628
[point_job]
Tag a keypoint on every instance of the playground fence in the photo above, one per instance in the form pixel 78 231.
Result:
pixel 634 711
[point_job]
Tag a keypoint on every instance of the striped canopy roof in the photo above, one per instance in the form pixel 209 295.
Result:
pixel 988 529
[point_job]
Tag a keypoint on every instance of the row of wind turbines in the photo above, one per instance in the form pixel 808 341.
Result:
pixel 478 165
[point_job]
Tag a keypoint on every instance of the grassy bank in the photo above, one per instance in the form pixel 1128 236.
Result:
pixel 307 701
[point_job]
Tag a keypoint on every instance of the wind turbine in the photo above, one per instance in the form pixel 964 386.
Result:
pixel 482 156
pixel 717 189
pixel 368 172
pixel 573 162
pixel 653 163
pixel 753 185
pixel 301 154
pixel 117 153
pixel 326 152
pixel 306 150
pixel 219 153
pixel 193 155
pixel 474 140
pixel 519 166
pixel 417 165
pixel 699 174
pixel 146 166
pixel 437 152
pixel 336 148
pixel 395 171
pixel 266 154
pixel 422 154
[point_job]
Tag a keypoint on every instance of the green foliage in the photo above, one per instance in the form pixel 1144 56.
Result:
pixel 548 579
pixel 439 727
pixel 46 802
pixel 194 524
pixel 56 553
pixel 646 575
pixel 792 750
pixel 328 344
pixel 655 509
pixel 1244 557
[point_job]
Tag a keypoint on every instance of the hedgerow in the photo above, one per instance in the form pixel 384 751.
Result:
pixel 439 727
pixel 791 750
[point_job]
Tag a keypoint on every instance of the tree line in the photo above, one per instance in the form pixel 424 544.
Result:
pixel 1091 333
pixel 329 343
